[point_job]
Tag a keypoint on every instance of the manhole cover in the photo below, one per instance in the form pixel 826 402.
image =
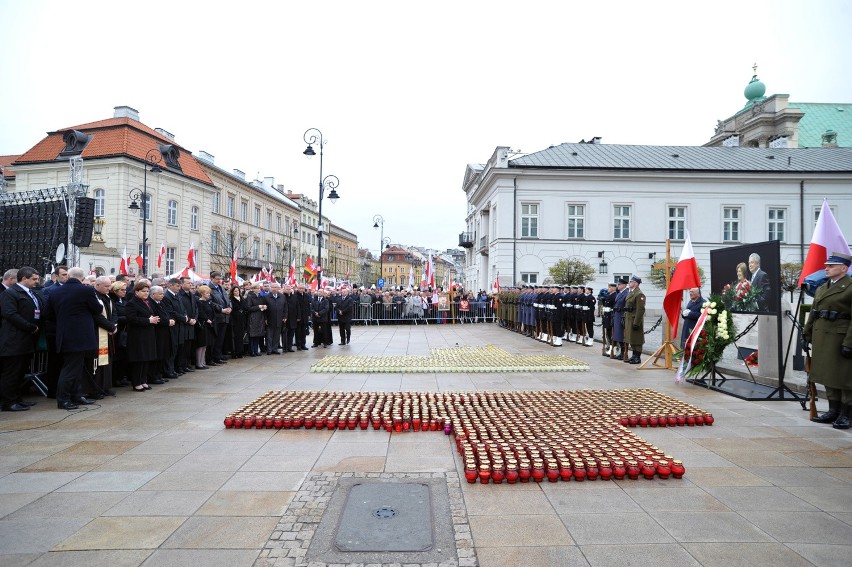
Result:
pixel 385 517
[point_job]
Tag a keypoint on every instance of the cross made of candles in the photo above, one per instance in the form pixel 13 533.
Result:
pixel 503 436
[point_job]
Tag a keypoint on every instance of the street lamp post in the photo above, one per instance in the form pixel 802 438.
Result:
pixel 292 234
pixel 379 221
pixel 314 136
pixel 152 159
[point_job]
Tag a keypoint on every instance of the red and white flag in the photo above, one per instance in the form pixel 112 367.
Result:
pixel 123 268
pixel 685 277
pixel 410 277
pixel 141 263
pixel 689 346
pixel 291 277
pixel 161 254
pixel 497 283
pixel 190 257
pixel 270 275
pixel 429 278
pixel 234 265
pixel 827 238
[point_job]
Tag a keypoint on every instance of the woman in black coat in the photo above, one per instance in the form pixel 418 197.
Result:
pixel 256 320
pixel 118 294
pixel 205 333
pixel 238 321
pixel 141 336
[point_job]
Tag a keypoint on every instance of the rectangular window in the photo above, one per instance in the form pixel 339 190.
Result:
pixel 100 202
pixel 243 246
pixel 145 208
pixel 229 244
pixel 269 257
pixel 147 258
pixel 214 242
pixel 731 224
pixel 257 216
pixel 529 220
pixel 170 260
pixel 193 218
pixel 677 223
pixel 817 211
pixel 576 221
pixel 244 211
pixel 255 249
pixel 269 220
pixel 777 222
pixel 230 206
pixel 529 277
pixel 215 202
pixel 621 222
pixel 171 213
pixel 278 224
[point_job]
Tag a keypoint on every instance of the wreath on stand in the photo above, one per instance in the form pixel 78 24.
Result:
pixel 716 334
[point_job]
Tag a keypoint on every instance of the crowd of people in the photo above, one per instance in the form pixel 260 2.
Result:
pixel 88 335
pixel 558 313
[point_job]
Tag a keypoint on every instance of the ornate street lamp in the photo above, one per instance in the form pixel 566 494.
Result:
pixel 314 136
pixel 152 160
pixel 379 221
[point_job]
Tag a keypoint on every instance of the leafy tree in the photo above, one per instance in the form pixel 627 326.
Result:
pixel 572 271
pixel 658 275
pixel 790 274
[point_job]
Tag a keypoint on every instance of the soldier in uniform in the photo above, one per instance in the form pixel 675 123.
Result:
pixel 634 319
pixel 556 312
pixel 571 309
pixel 618 318
pixel 605 303
pixel 589 315
pixel 830 329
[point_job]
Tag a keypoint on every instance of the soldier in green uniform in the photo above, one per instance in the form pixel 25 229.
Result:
pixel 634 319
pixel 829 329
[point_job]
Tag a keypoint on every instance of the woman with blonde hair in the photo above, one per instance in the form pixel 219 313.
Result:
pixel 205 333
pixel 118 295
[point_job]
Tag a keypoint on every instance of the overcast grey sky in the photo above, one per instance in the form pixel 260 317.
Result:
pixel 407 93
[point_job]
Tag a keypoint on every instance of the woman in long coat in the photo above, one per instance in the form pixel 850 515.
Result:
pixel 238 321
pixel 141 336
pixel 205 333
pixel 254 308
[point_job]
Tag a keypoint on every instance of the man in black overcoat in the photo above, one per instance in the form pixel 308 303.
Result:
pixel 345 311
pixel 74 307
pixel 294 318
pixel 173 307
pixel 21 315
pixel 276 317
pixel 320 308
pixel 190 305
pixel 305 315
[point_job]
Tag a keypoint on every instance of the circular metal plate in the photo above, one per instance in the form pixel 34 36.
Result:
pixel 384 513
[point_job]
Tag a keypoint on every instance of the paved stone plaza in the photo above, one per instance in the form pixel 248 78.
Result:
pixel 155 479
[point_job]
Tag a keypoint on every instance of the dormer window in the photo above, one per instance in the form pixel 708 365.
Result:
pixel 170 155
pixel 75 143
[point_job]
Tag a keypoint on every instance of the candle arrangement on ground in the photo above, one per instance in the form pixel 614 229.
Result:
pixel 503 436
pixel 457 359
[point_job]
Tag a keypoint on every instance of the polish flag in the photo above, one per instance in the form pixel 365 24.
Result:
pixel 827 238
pixel 429 279
pixel 497 283
pixel 685 277
pixel 140 262
pixel 690 346
pixel 234 265
pixel 161 254
pixel 123 267
pixel 270 275
pixel 190 257
pixel 291 277
pixel 410 277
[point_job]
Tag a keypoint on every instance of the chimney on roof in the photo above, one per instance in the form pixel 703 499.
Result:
pixel 125 112
pixel 280 189
pixel 268 183
pixel 205 157
pixel 239 173
pixel 165 133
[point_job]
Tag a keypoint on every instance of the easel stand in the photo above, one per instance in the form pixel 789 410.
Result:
pixel 667 349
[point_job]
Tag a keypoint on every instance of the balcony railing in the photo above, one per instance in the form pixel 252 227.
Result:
pixel 466 239
pixel 483 245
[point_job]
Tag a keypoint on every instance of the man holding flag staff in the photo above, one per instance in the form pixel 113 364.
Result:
pixel 829 328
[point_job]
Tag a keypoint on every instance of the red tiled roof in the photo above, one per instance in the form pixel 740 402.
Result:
pixel 5 162
pixel 114 137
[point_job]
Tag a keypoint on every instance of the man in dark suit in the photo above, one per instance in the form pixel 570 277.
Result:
pixel 54 357
pixel 759 282
pixel 320 307
pixel 345 311
pixel 20 309
pixel 190 305
pixel 691 314
pixel 276 317
pixel 294 317
pixel 177 319
pixel 305 315
pixel 221 304
pixel 75 308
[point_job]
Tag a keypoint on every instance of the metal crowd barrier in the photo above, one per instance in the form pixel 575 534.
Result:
pixel 400 314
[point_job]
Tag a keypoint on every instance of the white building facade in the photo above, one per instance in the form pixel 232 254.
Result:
pixel 614 206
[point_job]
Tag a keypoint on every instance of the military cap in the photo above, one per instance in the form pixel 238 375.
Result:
pixel 837 258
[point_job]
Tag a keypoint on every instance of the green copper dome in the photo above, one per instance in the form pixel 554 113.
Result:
pixel 755 89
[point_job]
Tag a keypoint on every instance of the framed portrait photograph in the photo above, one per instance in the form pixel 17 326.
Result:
pixel 748 277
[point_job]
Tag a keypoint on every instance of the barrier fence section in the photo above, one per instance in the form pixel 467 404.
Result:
pixel 407 314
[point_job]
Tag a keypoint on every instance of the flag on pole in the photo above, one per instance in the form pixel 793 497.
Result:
pixel 827 238
pixel 497 283
pixel 410 277
pixel 430 272
pixel 190 257
pixel 234 265
pixel 140 262
pixel 123 268
pixel 685 277
pixel 161 254
pixel 291 277
pixel 311 269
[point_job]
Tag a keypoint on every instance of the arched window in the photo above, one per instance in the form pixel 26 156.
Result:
pixel 100 202
pixel 171 217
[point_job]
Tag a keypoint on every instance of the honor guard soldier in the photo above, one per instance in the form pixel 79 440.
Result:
pixel 529 311
pixel 605 304
pixel 829 327
pixel 618 320
pixel 556 299
pixel 589 303
pixel 571 308
pixel 634 320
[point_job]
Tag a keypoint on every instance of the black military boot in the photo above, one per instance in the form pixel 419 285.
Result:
pixel 844 421
pixel 829 416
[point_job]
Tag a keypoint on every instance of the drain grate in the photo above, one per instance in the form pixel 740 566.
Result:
pixel 385 513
